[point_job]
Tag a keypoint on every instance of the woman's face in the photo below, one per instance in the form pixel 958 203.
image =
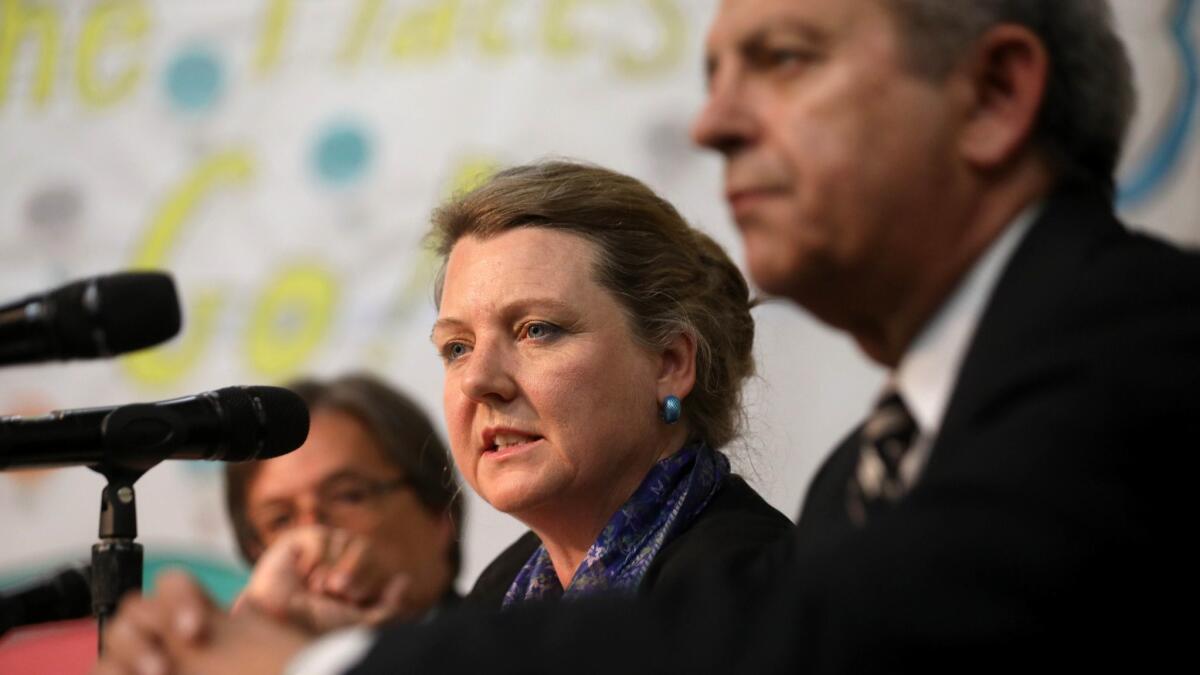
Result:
pixel 551 404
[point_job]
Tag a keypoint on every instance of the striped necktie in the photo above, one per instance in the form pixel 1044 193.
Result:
pixel 884 439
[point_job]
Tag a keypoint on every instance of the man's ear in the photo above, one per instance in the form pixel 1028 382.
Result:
pixel 677 367
pixel 254 550
pixel 1006 74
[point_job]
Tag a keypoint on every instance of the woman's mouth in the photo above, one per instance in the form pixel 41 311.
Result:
pixel 502 443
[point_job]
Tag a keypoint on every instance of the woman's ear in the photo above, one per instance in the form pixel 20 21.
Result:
pixel 1006 75
pixel 677 367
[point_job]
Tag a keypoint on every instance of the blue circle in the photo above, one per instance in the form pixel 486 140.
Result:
pixel 342 154
pixel 195 80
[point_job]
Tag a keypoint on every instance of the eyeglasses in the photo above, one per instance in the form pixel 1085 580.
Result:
pixel 337 501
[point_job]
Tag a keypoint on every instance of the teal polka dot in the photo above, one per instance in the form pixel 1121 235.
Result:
pixel 195 80
pixel 342 154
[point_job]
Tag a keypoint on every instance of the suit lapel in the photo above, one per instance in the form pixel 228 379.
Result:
pixel 824 510
pixel 1031 296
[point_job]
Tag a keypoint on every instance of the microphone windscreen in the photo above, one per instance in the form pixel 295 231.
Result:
pixel 141 309
pixel 285 417
pixel 64 595
pixel 114 314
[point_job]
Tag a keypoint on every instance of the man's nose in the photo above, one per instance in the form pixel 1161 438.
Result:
pixel 312 514
pixel 725 123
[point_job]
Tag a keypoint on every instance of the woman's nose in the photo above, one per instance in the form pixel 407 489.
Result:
pixel 489 376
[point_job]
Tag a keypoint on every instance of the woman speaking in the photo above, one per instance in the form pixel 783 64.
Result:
pixel 595 347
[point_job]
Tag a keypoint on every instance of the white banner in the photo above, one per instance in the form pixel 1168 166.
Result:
pixel 280 158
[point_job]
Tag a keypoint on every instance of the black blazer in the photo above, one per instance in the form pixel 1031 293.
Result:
pixel 733 528
pixel 1043 531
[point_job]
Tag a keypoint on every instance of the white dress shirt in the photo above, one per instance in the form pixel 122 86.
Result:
pixel 928 371
pixel 333 653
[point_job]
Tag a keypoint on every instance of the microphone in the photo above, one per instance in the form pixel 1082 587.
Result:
pixel 100 316
pixel 65 595
pixel 233 424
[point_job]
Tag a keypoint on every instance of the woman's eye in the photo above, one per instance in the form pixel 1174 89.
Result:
pixel 537 330
pixel 454 350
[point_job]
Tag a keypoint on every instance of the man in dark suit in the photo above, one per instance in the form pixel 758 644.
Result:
pixel 933 177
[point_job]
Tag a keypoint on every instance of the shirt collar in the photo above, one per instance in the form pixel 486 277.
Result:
pixel 927 371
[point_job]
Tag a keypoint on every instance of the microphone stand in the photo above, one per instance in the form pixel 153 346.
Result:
pixel 116 558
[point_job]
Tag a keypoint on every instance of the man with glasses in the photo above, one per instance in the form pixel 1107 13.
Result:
pixel 359 524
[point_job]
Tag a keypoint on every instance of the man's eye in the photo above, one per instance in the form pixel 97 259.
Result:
pixel 781 57
pixel 350 495
pixel 275 524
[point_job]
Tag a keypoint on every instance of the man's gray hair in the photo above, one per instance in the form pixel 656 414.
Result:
pixel 1090 97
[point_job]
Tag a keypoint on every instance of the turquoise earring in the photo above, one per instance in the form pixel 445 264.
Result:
pixel 672 408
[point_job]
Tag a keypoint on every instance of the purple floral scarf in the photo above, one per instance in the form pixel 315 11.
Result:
pixel 674 492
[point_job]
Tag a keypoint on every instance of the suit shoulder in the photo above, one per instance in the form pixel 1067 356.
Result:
pixel 736 527
pixel 489 589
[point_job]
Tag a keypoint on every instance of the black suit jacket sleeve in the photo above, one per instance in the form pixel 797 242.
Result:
pixel 1045 525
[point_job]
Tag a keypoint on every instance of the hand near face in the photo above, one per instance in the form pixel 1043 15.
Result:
pixel 319 579
pixel 180 630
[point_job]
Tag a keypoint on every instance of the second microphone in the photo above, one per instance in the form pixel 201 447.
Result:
pixel 230 424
